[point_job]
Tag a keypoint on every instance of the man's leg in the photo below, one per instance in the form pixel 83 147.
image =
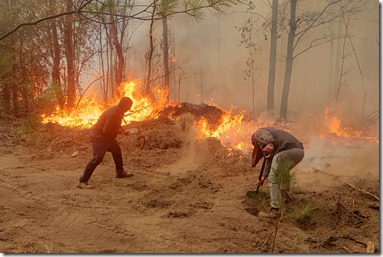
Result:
pixel 293 156
pixel 115 149
pixel 99 150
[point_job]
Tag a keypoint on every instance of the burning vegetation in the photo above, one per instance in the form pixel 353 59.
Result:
pixel 208 121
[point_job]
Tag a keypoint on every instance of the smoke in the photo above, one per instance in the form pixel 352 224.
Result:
pixel 213 66
pixel 209 53
pixel 197 151
pixel 357 161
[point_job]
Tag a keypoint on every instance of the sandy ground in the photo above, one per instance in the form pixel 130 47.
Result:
pixel 186 196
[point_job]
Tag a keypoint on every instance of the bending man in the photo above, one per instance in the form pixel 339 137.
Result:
pixel 278 147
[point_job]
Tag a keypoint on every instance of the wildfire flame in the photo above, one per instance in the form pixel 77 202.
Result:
pixel 233 131
pixel 334 127
pixel 227 131
pixel 89 109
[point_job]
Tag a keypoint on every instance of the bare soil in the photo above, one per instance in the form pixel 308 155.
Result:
pixel 186 195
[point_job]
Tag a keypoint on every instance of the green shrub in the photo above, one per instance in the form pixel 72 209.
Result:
pixel 302 215
pixel 285 179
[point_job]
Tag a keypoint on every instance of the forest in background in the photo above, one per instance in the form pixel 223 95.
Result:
pixel 263 54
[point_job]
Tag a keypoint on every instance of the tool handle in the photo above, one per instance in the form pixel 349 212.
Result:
pixel 261 172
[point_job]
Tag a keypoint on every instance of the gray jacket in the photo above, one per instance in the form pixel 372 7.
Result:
pixel 281 140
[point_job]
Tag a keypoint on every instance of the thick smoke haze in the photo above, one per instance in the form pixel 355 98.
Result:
pixel 213 63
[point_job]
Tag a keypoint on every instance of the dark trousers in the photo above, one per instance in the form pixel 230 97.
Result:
pixel 100 146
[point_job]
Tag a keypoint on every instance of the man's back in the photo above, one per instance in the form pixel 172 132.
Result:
pixel 108 124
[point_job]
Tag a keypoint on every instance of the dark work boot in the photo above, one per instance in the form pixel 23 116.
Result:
pixel 123 174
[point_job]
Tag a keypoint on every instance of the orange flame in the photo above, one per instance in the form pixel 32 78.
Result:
pixel 233 131
pixel 89 109
pixel 334 127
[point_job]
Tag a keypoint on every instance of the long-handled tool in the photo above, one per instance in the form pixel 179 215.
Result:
pixel 261 172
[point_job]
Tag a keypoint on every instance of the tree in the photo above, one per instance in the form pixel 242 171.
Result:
pixel 56 58
pixel 70 55
pixel 164 10
pixel 5 77
pixel 118 29
pixel 149 57
pixel 289 60
pixel 300 25
pixel 64 36
pixel 165 50
pixel 273 57
pixel 248 31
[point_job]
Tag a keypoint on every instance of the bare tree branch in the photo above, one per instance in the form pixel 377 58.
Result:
pixel 44 19
pixel 191 10
pixel 323 40
pixel 313 24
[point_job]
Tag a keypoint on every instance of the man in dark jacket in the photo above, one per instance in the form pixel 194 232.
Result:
pixel 103 138
pixel 277 147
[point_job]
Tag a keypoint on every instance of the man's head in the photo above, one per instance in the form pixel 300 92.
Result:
pixel 125 104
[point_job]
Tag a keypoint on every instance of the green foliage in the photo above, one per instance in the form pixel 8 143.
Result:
pixel 257 200
pixel 302 215
pixel 195 7
pixel 256 196
pixel 166 7
pixel 284 178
